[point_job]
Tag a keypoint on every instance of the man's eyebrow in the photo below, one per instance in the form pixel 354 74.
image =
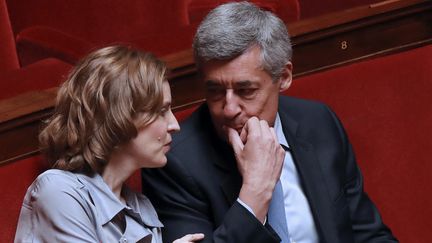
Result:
pixel 244 84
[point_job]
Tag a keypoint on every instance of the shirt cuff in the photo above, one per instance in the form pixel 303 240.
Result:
pixel 249 209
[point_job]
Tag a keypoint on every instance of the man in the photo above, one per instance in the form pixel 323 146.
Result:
pixel 250 166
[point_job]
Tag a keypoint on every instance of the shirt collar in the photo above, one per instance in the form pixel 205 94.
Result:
pixel 108 205
pixel 142 205
pixel 279 131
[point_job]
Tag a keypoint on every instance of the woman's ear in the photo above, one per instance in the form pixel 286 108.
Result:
pixel 286 78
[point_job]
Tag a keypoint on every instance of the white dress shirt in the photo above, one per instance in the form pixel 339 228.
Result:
pixel 301 225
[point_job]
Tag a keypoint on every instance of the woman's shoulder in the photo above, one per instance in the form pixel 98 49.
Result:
pixel 55 183
pixel 57 179
pixel 61 207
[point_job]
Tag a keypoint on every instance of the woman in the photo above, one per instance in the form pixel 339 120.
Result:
pixel 112 117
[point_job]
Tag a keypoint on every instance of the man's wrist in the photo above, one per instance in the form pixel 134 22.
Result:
pixel 256 201
pixel 250 210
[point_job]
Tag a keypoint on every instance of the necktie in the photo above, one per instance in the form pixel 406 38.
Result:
pixel 276 214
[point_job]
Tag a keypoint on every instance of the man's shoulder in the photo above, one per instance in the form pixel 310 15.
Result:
pixel 297 107
pixel 309 115
pixel 300 102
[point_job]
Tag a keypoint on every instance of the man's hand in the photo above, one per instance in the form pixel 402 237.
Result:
pixel 259 159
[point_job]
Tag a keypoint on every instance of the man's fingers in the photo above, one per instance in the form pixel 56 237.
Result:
pixel 195 237
pixel 190 238
pixel 265 129
pixel 235 140
pixel 253 127
pixel 244 134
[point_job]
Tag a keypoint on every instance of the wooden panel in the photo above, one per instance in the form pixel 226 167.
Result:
pixel 369 31
pixel 20 119
pixel 366 37
pixel 19 142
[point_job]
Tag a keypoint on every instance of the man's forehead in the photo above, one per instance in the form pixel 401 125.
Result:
pixel 250 59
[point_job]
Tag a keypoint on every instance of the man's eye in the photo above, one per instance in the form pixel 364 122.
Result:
pixel 215 93
pixel 246 92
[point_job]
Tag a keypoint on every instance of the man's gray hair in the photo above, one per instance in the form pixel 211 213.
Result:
pixel 231 29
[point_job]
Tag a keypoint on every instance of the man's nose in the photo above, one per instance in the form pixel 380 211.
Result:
pixel 231 107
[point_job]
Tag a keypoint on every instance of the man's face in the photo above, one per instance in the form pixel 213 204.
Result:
pixel 239 89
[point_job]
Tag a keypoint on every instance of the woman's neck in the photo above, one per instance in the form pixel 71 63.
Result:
pixel 117 171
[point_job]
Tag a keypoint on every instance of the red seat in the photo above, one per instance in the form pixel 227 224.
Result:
pixel 385 105
pixel 15 178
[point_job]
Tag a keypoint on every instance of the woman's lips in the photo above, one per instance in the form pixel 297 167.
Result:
pixel 167 147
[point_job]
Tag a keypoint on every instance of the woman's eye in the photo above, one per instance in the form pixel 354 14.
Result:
pixel 163 111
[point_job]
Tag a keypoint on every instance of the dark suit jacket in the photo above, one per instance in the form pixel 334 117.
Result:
pixel 197 190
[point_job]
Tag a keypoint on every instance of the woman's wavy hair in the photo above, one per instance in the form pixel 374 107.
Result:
pixel 107 96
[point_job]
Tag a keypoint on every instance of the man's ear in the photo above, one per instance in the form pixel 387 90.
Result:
pixel 286 78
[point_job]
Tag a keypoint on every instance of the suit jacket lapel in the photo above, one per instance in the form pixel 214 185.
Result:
pixel 312 178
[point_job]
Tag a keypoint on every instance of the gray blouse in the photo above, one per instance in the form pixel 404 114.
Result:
pixel 62 206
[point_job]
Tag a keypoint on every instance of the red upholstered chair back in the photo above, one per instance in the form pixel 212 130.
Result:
pixel 41 75
pixel 385 105
pixel 96 21
pixel 68 30
pixel 8 55
pixel 15 80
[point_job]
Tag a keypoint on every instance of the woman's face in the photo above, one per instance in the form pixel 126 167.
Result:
pixel 153 141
